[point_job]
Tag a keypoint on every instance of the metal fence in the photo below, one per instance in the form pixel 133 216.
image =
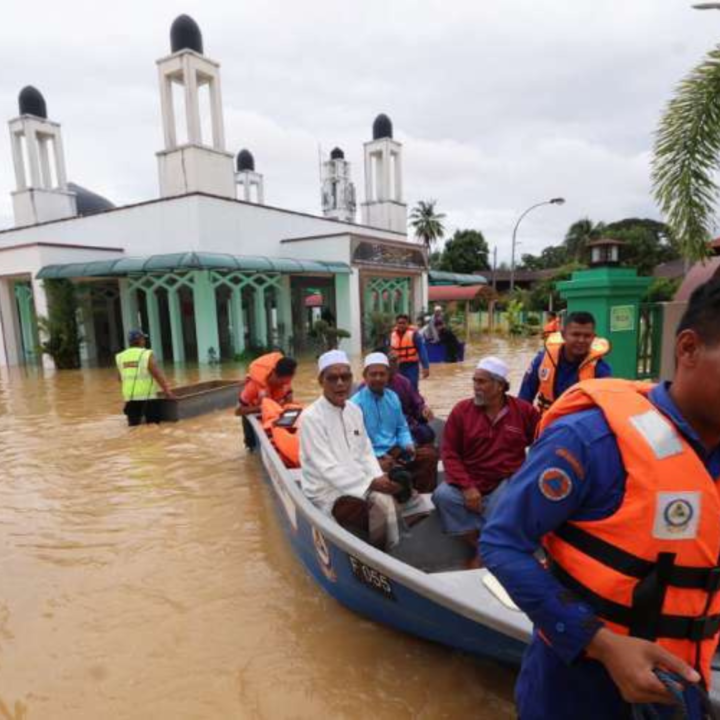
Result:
pixel 650 341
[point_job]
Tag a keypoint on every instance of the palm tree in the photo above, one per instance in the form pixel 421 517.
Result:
pixel 427 223
pixel 579 234
pixel 687 146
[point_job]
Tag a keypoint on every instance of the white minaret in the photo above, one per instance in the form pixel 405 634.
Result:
pixel 338 192
pixel 383 206
pixel 250 184
pixel 199 163
pixel 42 192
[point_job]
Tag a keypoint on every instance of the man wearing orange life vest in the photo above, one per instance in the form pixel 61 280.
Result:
pixel 571 356
pixel 552 325
pixel 269 376
pixel 621 490
pixel 407 344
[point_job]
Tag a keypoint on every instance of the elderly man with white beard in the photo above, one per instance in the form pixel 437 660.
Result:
pixel 484 443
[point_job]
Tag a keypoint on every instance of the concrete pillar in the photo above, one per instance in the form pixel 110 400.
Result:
pixel 10 325
pixel 347 309
pixel 283 301
pixel 176 328
pixel 86 325
pixel 155 329
pixel 260 329
pixel 237 323
pixel 218 128
pixel 45 162
pixel 128 307
pixel 168 111
pixel 112 324
pixel 40 309
pixel 406 297
pixel 23 297
pixel 31 143
pixel 206 324
pixel 192 103
pixel 18 160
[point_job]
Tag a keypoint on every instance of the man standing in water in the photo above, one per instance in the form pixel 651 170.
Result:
pixel 140 377
pixel 409 348
pixel 621 491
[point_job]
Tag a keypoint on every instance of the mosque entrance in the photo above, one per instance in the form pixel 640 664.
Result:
pixel 313 299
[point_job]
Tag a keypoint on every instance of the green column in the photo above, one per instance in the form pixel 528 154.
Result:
pixel 284 312
pixel 153 312
pixel 236 321
pixel 28 323
pixel 260 329
pixel 128 307
pixel 176 328
pixel 343 311
pixel 206 326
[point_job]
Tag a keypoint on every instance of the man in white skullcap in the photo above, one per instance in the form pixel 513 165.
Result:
pixel 484 443
pixel 340 473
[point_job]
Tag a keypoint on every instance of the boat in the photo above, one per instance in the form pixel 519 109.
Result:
pixel 197 399
pixel 437 352
pixel 420 587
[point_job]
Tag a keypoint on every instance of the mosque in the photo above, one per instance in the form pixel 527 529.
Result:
pixel 207 269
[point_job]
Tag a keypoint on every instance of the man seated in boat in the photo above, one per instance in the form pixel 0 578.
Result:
pixel 271 376
pixel 340 473
pixel 484 443
pixel 388 429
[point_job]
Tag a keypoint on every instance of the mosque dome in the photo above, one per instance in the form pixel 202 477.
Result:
pixel 88 202
pixel 382 127
pixel 31 102
pixel 245 161
pixel 185 35
pixel 337 154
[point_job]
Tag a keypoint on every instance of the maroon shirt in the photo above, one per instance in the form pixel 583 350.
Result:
pixel 481 453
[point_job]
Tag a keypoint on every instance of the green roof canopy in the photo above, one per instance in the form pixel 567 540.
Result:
pixel 172 262
pixel 439 277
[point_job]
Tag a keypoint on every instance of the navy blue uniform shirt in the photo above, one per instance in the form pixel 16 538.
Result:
pixel 554 681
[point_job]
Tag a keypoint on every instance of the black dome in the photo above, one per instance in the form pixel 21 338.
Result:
pixel 89 202
pixel 382 127
pixel 185 35
pixel 245 161
pixel 337 154
pixel 31 102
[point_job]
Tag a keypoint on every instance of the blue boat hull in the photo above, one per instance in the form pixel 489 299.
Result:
pixel 437 352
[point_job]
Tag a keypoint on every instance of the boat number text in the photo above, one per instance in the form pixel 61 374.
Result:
pixel 371 577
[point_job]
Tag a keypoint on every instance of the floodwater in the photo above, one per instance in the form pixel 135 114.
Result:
pixel 144 574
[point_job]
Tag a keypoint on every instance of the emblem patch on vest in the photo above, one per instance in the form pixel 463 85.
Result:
pixel 555 484
pixel 677 515
pixel 544 373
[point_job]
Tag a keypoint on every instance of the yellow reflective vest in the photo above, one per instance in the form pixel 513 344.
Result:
pixel 133 366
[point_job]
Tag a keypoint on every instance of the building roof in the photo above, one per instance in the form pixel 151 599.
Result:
pixel 523 275
pixel 185 35
pixel 672 269
pixel 601 242
pixel 450 293
pixel 89 202
pixel 440 277
pixel 171 262
pixel 382 127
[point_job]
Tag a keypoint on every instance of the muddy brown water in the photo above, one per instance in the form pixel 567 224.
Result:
pixel 144 573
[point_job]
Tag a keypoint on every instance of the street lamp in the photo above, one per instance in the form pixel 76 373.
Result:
pixel 553 201
pixel 707 6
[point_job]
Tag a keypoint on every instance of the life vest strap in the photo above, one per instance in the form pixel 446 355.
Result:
pixel 677 627
pixel 680 576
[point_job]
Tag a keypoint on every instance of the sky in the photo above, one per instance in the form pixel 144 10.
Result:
pixel 499 104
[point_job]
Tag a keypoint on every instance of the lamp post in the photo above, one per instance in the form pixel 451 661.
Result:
pixel 707 6
pixel 552 201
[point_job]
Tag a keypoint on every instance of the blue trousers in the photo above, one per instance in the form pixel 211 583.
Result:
pixel 412 372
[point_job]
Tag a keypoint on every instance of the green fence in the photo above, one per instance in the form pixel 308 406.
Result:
pixel 650 341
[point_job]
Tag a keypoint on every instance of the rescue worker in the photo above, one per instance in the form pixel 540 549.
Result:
pixel 140 377
pixel 621 490
pixel 570 356
pixel 552 325
pixel 269 376
pixel 409 347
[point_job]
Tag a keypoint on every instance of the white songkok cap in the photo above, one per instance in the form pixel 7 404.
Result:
pixel 437 308
pixel 376 359
pixel 494 365
pixel 332 357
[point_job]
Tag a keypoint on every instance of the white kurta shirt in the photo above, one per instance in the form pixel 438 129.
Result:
pixel 336 456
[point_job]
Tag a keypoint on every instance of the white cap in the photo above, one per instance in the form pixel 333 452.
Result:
pixel 437 307
pixel 377 358
pixel 332 357
pixel 494 365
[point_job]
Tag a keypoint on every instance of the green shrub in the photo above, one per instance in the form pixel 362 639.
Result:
pixel 60 327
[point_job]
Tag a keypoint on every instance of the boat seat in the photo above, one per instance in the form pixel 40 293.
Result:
pixel 427 548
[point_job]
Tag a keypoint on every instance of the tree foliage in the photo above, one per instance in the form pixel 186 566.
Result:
pixel 687 148
pixel 579 234
pixel 60 326
pixel 427 223
pixel 466 252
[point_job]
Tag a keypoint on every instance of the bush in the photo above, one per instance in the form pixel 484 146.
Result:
pixel 60 327
pixel 379 327
pixel 326 336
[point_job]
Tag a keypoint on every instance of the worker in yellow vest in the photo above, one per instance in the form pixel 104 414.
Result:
pixel 140 377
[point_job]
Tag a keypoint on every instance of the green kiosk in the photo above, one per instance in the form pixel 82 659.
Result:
pixel 612 294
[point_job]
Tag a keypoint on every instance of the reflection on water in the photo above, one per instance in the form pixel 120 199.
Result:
pixel 144 574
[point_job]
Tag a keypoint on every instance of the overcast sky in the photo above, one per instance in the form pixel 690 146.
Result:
pixel 498 103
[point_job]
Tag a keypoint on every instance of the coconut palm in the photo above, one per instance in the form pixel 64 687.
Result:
pixel 687 148
pixel 427 223
pixel 579 234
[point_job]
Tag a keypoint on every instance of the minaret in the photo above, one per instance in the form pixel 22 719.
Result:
pixel 247 179
pixel 338 192
pixel 199 162
pixel 383 206
pixel 42 193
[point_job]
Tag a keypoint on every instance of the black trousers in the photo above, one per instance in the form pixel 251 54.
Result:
pixel 136 410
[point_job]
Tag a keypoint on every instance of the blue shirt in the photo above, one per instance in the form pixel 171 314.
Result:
pixel 384 420
pixel 583 446
pixel 566 375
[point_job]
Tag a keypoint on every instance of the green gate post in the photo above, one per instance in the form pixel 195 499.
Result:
pixel 176 328
pixel 206 325
pixel 612 295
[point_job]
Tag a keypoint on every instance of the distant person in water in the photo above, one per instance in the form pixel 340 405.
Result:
pixel 409 347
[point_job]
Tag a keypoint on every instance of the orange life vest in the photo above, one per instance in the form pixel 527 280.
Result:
pixel 404 347
pixel 258 372
pixel 548 367
pixel 285 439
pixel 550 327
pixel 650 569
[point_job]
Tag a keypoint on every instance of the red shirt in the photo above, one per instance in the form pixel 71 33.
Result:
pixel 481 453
